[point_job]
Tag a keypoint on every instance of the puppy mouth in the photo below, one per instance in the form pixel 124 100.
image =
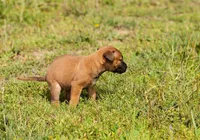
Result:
pixel 121 69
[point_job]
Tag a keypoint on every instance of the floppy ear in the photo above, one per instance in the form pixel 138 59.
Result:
pixel 109 56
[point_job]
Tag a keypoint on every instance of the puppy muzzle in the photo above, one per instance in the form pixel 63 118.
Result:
pixel 121 69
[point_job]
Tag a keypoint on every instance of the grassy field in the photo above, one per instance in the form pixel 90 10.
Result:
pixel 157 98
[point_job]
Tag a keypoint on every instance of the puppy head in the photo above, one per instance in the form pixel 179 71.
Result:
pixel 113 60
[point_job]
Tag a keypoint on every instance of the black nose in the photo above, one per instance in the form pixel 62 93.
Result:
pixel 122 68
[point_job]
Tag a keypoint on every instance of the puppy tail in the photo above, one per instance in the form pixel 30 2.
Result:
pixel 40 79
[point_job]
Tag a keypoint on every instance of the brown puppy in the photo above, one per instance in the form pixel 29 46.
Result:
pixel 74 73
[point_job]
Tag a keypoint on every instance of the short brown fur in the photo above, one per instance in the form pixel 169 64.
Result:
pixel 74 73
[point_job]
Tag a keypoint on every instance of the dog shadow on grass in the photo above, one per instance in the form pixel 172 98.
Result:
pixel 84 94
pixel 47 95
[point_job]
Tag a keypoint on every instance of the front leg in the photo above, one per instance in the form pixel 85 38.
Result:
pixel 92 93
pixel 75 94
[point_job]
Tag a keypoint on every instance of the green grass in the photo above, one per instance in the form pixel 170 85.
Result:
pixel 157 98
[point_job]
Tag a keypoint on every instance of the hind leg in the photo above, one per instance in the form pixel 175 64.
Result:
pixel 55 93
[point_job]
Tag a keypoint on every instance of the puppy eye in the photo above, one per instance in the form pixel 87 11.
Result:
pixel 113 51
